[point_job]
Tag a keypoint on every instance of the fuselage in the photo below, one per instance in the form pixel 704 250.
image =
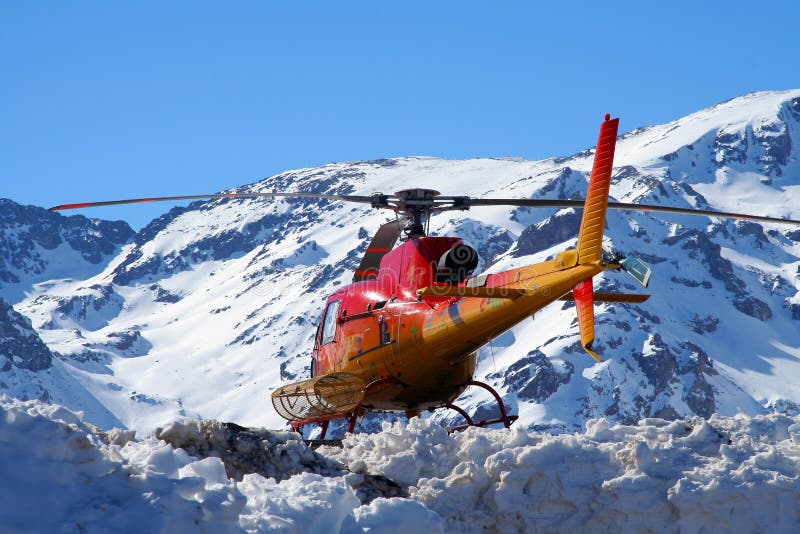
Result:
pixel 426 343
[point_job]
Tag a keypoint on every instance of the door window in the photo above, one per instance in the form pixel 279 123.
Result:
pixel 329 327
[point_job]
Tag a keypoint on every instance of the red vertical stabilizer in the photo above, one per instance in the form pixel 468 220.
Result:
pixel 590 237
pixel 584 305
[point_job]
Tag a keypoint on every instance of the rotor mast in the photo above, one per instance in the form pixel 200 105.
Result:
pixel 416 205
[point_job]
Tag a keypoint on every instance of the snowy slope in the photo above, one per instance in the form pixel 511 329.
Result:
pixel 210 307
pixel 39 248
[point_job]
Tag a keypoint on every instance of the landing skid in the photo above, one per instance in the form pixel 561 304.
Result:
pixel 353 416
pixel 504 418
pixel 323 423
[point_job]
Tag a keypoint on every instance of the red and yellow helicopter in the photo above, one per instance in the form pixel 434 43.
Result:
pixel 404 335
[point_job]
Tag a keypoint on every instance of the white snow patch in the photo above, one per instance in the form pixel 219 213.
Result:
pixel 725 474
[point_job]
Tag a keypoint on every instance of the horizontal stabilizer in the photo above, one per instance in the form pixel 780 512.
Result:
pixel 611 297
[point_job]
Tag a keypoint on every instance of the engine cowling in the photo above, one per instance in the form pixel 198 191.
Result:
pixel 456 264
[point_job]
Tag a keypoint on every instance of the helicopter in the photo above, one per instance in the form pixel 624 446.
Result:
pixel 404 335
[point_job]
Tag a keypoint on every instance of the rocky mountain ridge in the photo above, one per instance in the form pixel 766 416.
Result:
pixel 211 306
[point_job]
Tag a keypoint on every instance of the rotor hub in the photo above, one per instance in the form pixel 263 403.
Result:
pixel 418 194
pixel 417 204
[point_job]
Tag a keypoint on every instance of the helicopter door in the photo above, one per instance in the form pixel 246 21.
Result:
pixel 326 350
pixel 315 352
pixel 329 326
pixel 388 336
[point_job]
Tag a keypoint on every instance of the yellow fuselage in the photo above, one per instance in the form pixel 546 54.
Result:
pixel 427 342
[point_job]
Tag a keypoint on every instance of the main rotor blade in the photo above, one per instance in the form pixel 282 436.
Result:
pixel 380 201
pixel 345 198
pixel 543 203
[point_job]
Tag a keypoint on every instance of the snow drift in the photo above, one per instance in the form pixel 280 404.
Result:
pixel 725 474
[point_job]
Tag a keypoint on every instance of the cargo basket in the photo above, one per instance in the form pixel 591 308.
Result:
pixel 329 394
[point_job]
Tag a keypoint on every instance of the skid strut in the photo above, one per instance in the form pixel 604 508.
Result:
pixel 351 417
pixel 504 418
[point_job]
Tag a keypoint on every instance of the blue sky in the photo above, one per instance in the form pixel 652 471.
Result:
pixel 103 100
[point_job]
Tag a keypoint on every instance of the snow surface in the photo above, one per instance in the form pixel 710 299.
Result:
pixel 731 474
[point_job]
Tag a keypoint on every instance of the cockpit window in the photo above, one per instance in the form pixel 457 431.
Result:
pixel 329 327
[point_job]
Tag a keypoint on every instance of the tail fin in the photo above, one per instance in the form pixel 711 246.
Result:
pixel 584 305
pixel 590 238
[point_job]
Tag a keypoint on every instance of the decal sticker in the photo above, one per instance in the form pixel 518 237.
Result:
pixel 414 331
pixel 454 311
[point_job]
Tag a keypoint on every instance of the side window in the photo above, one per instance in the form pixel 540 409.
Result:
pixel 329 327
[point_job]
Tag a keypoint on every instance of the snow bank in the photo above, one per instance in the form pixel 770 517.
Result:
pixel 60 474
pixel 737 474
pixel 723 474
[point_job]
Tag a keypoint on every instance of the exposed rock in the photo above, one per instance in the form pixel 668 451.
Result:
pixel 19 343
pixel 272 454
pixel 162 295
pixel 701 247
pixel 776 142
pixel 795 309
pixel 730 147
pixel 666 412
pixel 705 284
pixel 704 325
pixel 658 363
pixel 130 342
pixel 701 396
pixel 753 307
pixel 560 227
pixel 534 377
pixel 561 185
pixel 92 307
pixel 746 228
pixel 794 235
pixel 29 231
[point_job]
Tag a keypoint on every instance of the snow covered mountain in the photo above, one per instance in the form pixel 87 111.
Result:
pixel 39 248
pixel 37 245
pixel 210 307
